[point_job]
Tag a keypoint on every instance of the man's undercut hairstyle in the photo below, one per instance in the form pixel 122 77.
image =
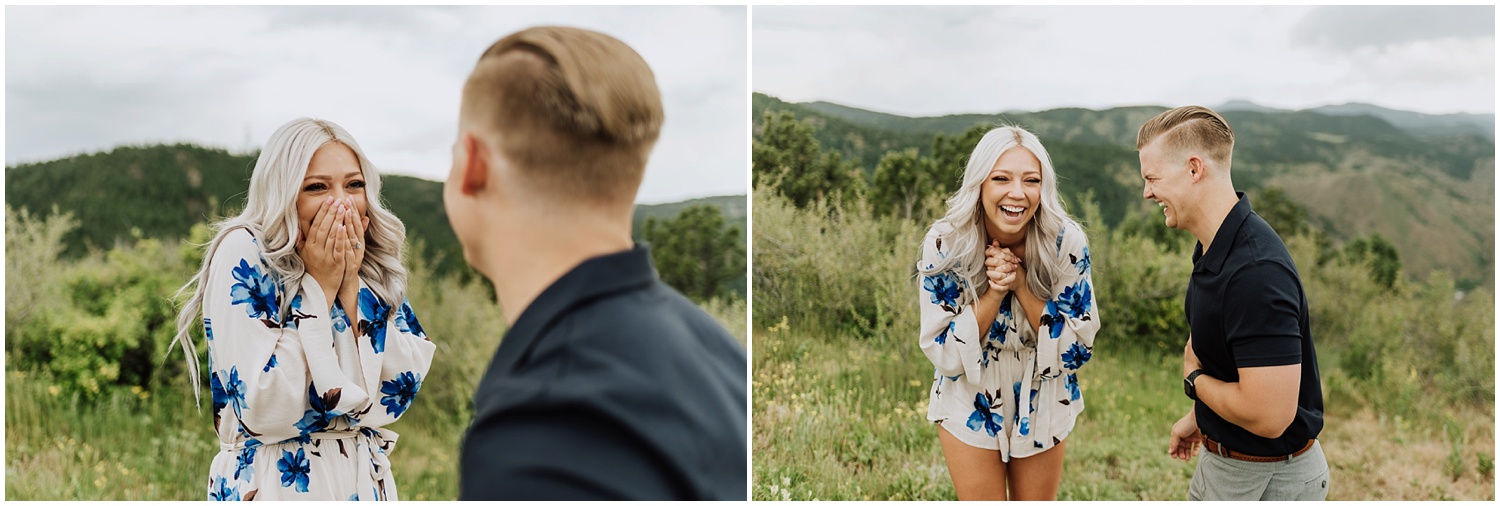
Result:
pixel 1190 128
pixel 576 111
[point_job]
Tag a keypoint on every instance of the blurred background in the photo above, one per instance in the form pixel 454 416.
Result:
pixel 1364 136
pixel 129 128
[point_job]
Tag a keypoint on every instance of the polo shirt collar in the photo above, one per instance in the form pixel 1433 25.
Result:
pixel 595 278
pixel 1224 238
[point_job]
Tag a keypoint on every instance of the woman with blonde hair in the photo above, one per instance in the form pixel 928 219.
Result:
pixel 308 358
pixel 1008 318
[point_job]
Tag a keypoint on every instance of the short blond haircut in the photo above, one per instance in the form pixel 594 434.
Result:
pixel 1190 128
pixel 577 111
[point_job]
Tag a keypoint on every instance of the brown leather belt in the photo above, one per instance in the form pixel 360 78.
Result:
pixel 1217 449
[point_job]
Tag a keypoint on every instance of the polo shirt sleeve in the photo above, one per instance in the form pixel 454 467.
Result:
pixel 949 330
pixel 1262 321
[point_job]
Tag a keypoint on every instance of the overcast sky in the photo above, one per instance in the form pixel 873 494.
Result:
pixel 84 79
pixel 922 61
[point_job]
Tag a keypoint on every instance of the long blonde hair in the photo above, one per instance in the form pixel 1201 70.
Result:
pixel 270 215
pixel 963 230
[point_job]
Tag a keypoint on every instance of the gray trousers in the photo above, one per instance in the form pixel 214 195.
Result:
pixel 1303 478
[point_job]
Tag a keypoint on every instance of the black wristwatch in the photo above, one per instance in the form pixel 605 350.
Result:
pixel 1187 384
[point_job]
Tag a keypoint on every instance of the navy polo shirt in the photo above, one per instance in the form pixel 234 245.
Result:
pixel 1246 308
pixel 610 385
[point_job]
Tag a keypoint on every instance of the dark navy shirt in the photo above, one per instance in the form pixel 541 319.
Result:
pixel 610 385
pixel 1246 308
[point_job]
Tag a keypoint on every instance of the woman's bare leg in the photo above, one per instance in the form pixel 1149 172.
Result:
pixel 1036 478
pixel 978 474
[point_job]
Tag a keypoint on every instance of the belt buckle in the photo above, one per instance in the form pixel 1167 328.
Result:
pixel 1223 451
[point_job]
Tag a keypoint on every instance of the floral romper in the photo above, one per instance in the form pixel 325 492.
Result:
pixel 301 400
pixel 1006 388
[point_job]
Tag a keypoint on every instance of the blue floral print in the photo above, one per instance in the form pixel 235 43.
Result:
pixel 1081 263
pixel 234 389
pixel 399 392
pixel 320 412
pixel 983 418
pixel 373 315
pixel 1044 397
pixel 295 314
pixel 944 289
pixel 998 330
pixel 1075 356
pixel 340 318
pixel 243 463
pixel 255 289
pixel 220 396
pixel 294 469
pixel 270 443
pixel 942 337
pixel 1075 301
pixel 406 321
pixel 221 491
pixel 1052 318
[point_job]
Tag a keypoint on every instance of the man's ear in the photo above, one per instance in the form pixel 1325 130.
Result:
pixel 476 164
pixel 1196 168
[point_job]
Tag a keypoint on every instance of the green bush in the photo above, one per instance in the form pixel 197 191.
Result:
pixel 834 263
pixel 108 325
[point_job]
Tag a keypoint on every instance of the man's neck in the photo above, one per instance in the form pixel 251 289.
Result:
pixel 523 265
pixel 1212 212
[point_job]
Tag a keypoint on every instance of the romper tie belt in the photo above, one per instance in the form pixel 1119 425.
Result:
pixel 374 444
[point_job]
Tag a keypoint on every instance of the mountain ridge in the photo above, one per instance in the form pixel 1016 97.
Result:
pixel 1330 164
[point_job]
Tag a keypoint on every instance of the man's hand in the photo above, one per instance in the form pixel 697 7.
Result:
pixel 1183 444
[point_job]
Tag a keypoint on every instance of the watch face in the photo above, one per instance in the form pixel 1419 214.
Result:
pixel 1187 388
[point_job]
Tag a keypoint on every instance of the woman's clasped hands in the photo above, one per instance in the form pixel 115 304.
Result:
pixel 1003 268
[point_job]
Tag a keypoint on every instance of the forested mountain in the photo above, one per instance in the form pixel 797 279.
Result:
pixel 162 190
pixel 1426 182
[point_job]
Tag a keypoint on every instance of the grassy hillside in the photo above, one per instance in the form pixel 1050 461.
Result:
pixel 160 191
pixel 1432 193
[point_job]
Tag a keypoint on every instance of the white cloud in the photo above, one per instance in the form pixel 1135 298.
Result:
pixel 933 61
pixel 91 78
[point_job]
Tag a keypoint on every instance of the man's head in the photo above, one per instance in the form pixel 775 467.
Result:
pixel 554 121
pixel 1185 152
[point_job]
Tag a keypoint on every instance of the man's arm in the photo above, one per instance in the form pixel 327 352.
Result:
pixel 1263 402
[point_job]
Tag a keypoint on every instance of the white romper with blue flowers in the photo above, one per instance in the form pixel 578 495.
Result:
pixel 980 378
pixel 300 401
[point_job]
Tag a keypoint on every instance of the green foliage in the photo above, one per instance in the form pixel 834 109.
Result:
pixel 164 190
pixel 1287 218
pixel 903 181
pixel 112 323
pixel 785 149
pixel 1385 262
pixel 697 252
pixel 1140 285
pixel 1325 164
pixel 833 263
pixel 32 247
